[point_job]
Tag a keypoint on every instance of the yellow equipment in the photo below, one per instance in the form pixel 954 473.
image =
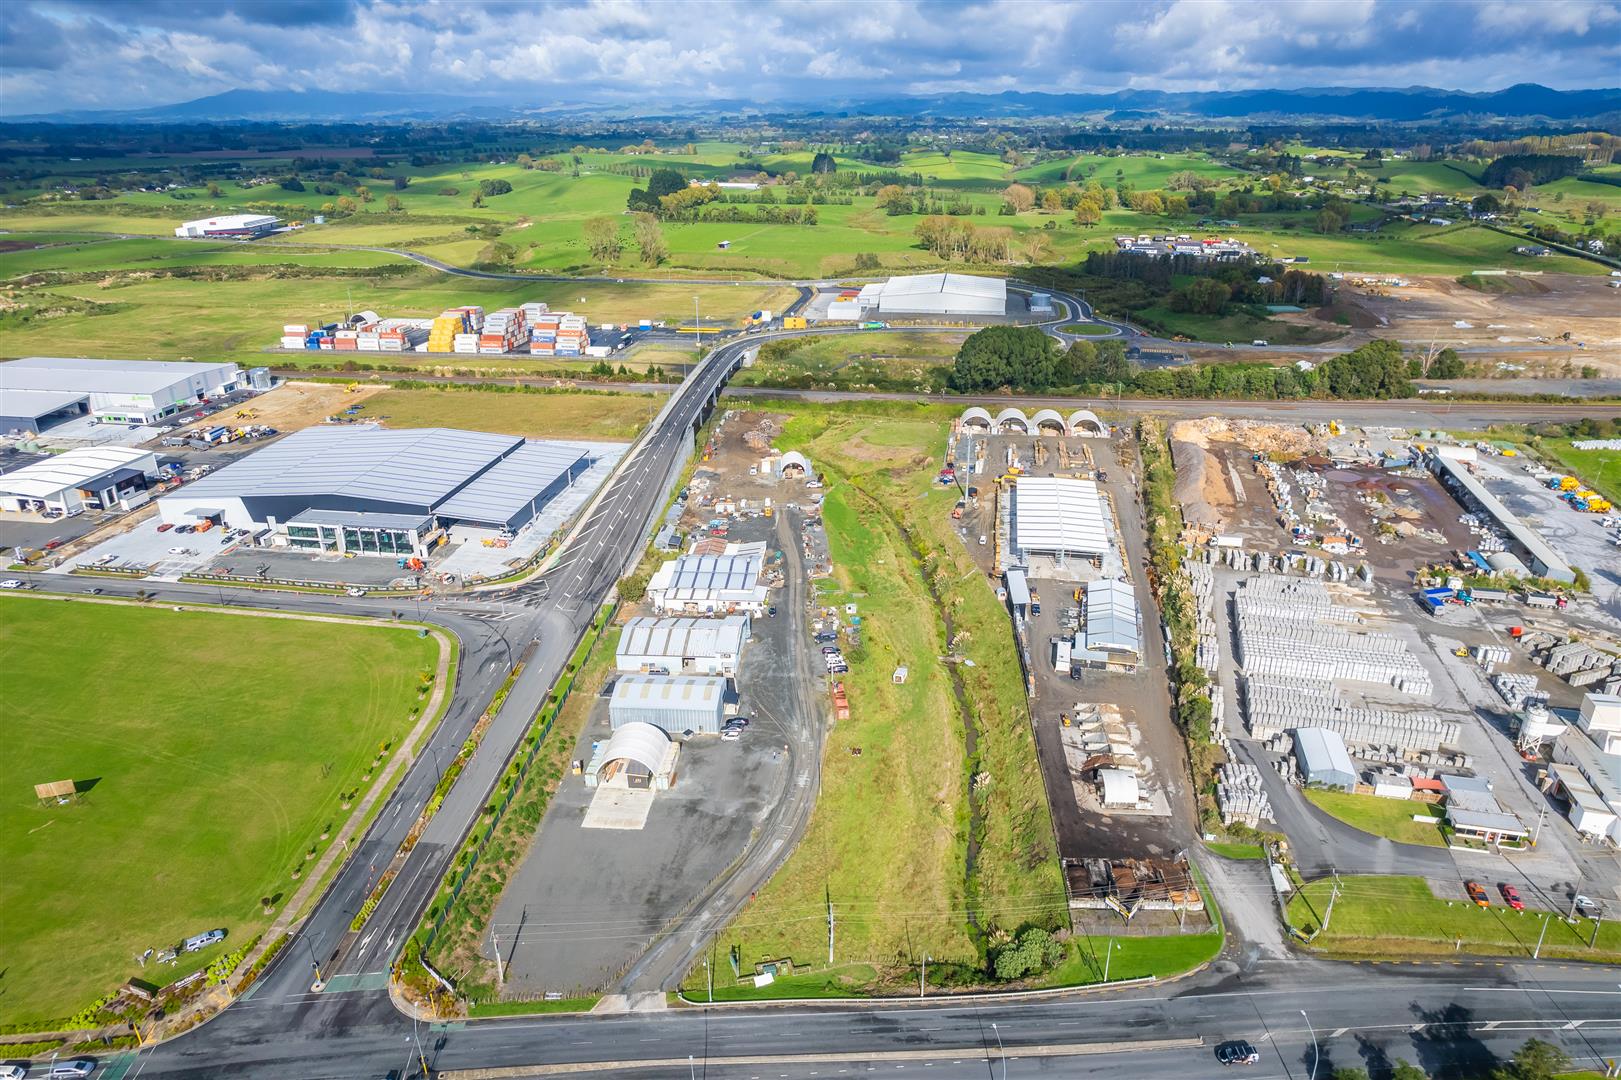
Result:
pixel 1569 483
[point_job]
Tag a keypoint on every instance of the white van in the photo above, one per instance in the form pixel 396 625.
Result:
pixel 72 1070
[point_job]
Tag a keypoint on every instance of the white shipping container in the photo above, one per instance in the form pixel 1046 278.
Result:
pixel 292 343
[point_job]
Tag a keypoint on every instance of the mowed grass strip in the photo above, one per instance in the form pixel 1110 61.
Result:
pixel 214 748
pixel 1600 469
pixel 1399 917
pixel 1390 818
pixel 601 415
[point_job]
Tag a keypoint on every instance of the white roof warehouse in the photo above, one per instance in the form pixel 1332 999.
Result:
pixel 376 491
pixel 95 477
pixel 38 391
pixel 1057 516
pixel 236 226
pixel 682 646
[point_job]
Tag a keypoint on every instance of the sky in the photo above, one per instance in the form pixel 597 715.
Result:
pixel 120 54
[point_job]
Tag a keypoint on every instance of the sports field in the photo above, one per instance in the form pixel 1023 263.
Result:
pixel 212 751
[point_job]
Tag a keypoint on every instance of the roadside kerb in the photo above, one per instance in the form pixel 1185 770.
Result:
pixel 984 996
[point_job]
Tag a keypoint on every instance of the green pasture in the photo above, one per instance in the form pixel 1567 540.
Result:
pixel 202 791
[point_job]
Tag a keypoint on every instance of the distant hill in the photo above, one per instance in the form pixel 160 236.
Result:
pixel 1526 100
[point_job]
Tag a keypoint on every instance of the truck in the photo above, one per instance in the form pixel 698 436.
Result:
pixel 1035 602
pixel 873 325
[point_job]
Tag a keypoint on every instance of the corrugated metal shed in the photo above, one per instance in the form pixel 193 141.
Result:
pixel 33 404
pixel 1111 618
pixel 672 703
pixel 704 646
pixel 1018 589
pixel 960 294
pixel 709 580
pixel 416 468
pixel 1056 515
pixel 1324 759
pixel 512 491
pixel 1545 561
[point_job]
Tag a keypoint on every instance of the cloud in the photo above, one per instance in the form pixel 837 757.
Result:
pixel 63 54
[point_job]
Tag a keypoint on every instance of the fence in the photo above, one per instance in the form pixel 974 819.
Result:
pixel 550 710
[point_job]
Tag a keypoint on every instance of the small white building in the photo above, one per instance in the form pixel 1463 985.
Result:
pixel 709 585
pixel 1118 789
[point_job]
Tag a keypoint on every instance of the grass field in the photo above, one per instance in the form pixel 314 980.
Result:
pixel 876 361
pixel 1600 469
pixel 1390 818
pixel 558 415
pixel 206 783
pixel 1398 917
pixel 1233 850
pixel 543 217
pixel 1239 326
pixel 903 888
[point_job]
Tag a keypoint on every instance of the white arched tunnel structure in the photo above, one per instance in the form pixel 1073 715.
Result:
pixel 1011 419
pixel 638 755
pixel 1086 422
pixel 1048 422
pixel 794 460
pixel 976 418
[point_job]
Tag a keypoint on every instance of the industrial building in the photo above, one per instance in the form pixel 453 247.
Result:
pixel 38 392
pixel 682 646
pixel 229 227
pixel 637 756
pixel 1110 634
pixel 1587 770
pixel 372 491
pixel 951 295
pixel 675 704
pixel 1323 758
pixel 710 584
pixel 1525 541
pixel 1083 422
pixel 94 478
pixel 1475 814
pixel 1058 517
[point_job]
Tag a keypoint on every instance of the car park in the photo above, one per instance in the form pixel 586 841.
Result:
pixel 1237 1052
pixel 1511 897
pixel 1477 893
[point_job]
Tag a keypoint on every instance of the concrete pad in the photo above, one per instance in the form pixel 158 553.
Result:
pixel 619 808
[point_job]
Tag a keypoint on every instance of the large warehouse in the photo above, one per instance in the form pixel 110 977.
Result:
pixel 710 584
pixel 682 646
pixel 93 478
pixel 1110 636
pixel 1058 517
pixel 1525 541
pixel 229 226
pixel 372 491
pixel 37 392
pixel 673 704
pixel 925 294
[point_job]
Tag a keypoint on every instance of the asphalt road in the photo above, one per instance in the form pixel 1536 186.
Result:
pixel 1451 1019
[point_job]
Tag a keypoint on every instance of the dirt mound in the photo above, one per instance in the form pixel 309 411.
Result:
pixel 1254 435
pixel 1196 470
pixel 1347 314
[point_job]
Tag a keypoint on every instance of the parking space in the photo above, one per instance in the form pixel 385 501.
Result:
pixel 165 554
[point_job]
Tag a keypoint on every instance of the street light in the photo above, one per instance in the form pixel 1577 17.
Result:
pixel 923 975
pixel 1313 1074
pixel 1000 1052
pixel 697 323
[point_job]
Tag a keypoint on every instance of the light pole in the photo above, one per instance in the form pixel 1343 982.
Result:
pixel 1313 1074
pixel 922 976
pixel 1107 956
pixel 697 323
pixel 1000 1052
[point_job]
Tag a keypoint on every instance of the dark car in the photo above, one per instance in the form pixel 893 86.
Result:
pixel 1237 1052
pixel 771 611
pixel 830 650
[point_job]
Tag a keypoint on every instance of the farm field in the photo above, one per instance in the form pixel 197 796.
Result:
pixel 542 218
pixel 202 792
pixel 545 414
pixel 876 361
pixel 1399 917
pixel 902 889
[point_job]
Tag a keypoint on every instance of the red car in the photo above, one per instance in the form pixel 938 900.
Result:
pixel 1511 897
pixel 53 543
pixel 165 527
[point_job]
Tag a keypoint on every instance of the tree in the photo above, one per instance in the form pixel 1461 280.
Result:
pixel 1406 1070
pixel 1037 247
pixel 492 188
pixel 478 198
pixel 893 200
pixel 393 204
pixel 1329 221
pixel 346 205
pixel 1486 204
pixel 1204 296
pixel 1022 357
pixel 292 183
pixel 650 239
pixel 1035 950
pixel 1446 365
pixel 1051 201
pixel 525 161
pixel 1088 212
pixel 1349 1072
pixel 665 181
pixel 401 183
pixel 1019 197
pixel 213 190
pixel 602 238
pixel 1147 202
pixel 1534 1060
pixel 364 193
pixel 823 163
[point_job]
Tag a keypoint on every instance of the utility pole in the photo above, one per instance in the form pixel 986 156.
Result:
pixel 500 976
pixel 1313 1074
pixel 697 323
pixel 1333 896
pixel 1596 924
pixel 1536 832
pixel 1108 956
pixel 923 975
pixel 1536 953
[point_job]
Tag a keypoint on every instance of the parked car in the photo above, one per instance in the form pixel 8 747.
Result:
pixel 1511 897
pixel 11 583
pixel 731 734
pixel 826 635
pixel 1477 894
pixel 738 721
pixel 166 526
pixel 1237 1052
pixel 13 1072
pixel 830 650
pixel 771 611
pixel 354 590
pixel 203 941
pixel 1583 904
pixel 53 543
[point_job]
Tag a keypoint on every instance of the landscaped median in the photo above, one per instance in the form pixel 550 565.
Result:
pixel 1394 819
pixel 1399 918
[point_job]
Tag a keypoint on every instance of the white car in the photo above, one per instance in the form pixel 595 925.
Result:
pixel 178 551
pixel 354 591
pixel 11 583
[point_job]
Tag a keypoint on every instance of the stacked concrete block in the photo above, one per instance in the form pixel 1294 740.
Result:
pixel 1241 796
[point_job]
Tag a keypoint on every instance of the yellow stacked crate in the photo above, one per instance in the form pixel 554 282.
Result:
pixel 442 334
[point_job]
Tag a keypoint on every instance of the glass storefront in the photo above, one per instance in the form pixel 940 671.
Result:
pixel 359 539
